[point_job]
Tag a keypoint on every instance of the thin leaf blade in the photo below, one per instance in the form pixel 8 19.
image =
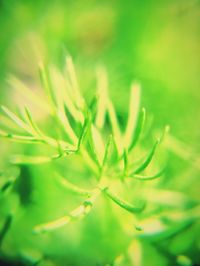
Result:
pixel 133 114
pixel 123 204
pixel 138 129
pixel 148 177
pixel 16 119
pixel 148 159
pixel 71 187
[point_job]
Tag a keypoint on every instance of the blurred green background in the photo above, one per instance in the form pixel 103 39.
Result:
pixel 154 42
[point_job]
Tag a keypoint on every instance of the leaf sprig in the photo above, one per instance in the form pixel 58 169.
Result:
pixel 85 135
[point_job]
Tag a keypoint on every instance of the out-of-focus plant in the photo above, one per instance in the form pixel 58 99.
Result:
pixel 103 168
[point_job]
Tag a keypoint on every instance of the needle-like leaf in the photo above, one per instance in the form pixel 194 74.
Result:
pixel 115 127
pixel 102 84
pixel 23 159
pixel 148 177
pixel 24 91
pixel 84 130
pixel 19 138
pixel 98 143
pixel 46 82
pixel 125 159
pixel 138 129
pixel 133 114
pixel 16 119
pixel 71 187
pixel 107 150
pixel 74 83
pixel 58 113
pixel 124 204
pixel 50 226
pixel 32 123
pixel 147 161
pixel 77 213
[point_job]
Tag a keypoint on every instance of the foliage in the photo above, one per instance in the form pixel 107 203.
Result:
pixel 84 180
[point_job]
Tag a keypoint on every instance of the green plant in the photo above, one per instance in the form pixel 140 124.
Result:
pixel 106 167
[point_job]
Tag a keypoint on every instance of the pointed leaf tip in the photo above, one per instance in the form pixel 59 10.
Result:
pixel 149 177
pixel 134 107
pixel 138 129
pixel 123 204
pixel 148 159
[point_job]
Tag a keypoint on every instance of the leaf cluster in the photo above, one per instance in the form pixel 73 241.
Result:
pixel 91 131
